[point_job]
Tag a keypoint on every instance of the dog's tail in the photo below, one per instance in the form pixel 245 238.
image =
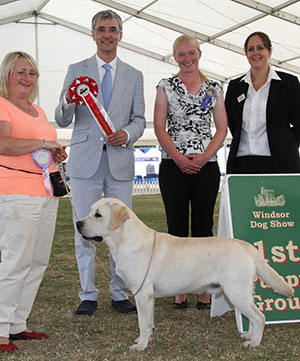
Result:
pixel 269 275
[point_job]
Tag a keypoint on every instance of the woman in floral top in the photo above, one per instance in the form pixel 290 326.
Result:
pixel 189 175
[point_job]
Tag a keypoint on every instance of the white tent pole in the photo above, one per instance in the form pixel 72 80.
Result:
pixel 36 48
pixel 225 143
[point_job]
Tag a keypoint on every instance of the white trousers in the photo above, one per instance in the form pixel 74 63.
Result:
pixel 27 225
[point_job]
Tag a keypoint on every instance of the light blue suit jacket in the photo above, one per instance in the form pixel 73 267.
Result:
pixel 126 111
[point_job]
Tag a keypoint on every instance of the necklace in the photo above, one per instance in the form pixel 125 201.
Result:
pixel 28 109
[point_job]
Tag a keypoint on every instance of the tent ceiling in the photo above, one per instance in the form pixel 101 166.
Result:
pixel 57 33
pixel 151 26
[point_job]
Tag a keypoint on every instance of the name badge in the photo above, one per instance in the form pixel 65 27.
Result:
pixel 241 98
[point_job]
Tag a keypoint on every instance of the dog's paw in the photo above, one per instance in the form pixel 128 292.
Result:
pixel 138 347
pixel 251 343
pixel 136 340
pixel 140 343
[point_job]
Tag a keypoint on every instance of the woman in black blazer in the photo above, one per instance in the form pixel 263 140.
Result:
pixel 263 109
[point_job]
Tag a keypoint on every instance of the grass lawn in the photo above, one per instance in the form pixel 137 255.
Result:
pixel 180 335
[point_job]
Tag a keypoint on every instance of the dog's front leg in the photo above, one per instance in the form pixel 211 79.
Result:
pixel 145 307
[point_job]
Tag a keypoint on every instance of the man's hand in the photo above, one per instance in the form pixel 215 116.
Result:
pixel 119 137
pixel 68 98
pixel 59 154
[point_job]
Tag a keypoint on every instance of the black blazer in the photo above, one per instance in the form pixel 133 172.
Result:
pixel 283 121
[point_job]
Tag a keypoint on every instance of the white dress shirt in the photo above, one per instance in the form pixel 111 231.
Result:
pixel 254 138
pixel 113 67
pixel 101 71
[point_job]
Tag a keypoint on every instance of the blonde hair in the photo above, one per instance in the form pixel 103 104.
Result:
pixel 186 38
pixel 7 68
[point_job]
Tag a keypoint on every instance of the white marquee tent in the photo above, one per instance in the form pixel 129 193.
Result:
pixel 57 33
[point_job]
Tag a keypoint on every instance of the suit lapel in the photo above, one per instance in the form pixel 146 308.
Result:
pixel 273 98
pixel 91 70
pixel 119 86
pixel 241 96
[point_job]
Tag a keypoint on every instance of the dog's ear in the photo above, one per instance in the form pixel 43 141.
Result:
pixel 119 214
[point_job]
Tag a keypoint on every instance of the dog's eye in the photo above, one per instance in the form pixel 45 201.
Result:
pixel 98 215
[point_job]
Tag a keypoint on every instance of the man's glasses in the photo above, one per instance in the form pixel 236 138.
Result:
pixel 103 30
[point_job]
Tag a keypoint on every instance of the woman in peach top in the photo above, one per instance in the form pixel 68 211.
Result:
pixel 27 207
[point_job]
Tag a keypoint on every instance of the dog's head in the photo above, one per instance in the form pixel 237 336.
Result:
pixel 106 215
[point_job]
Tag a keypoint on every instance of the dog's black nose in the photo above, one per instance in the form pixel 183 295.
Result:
pixel 79 226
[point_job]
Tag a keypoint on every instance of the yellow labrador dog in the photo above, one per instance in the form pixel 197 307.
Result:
pixel 174 265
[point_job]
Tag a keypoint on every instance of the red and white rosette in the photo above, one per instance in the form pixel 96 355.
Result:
pixel 83 91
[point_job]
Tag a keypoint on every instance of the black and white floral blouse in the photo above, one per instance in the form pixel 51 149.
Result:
pixel 189 116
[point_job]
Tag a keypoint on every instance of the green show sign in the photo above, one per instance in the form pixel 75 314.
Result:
pixel 264 210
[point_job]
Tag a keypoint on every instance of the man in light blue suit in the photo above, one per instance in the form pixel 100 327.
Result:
pixel 98 164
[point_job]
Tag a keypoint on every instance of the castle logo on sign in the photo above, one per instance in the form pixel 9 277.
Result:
pixel 267 198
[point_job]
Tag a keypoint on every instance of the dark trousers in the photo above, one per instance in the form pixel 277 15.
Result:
pixel 181 191
pixel 253 164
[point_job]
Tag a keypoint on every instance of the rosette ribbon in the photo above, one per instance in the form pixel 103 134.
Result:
pixel 43 159
pixel 209 94
pixel 83 91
